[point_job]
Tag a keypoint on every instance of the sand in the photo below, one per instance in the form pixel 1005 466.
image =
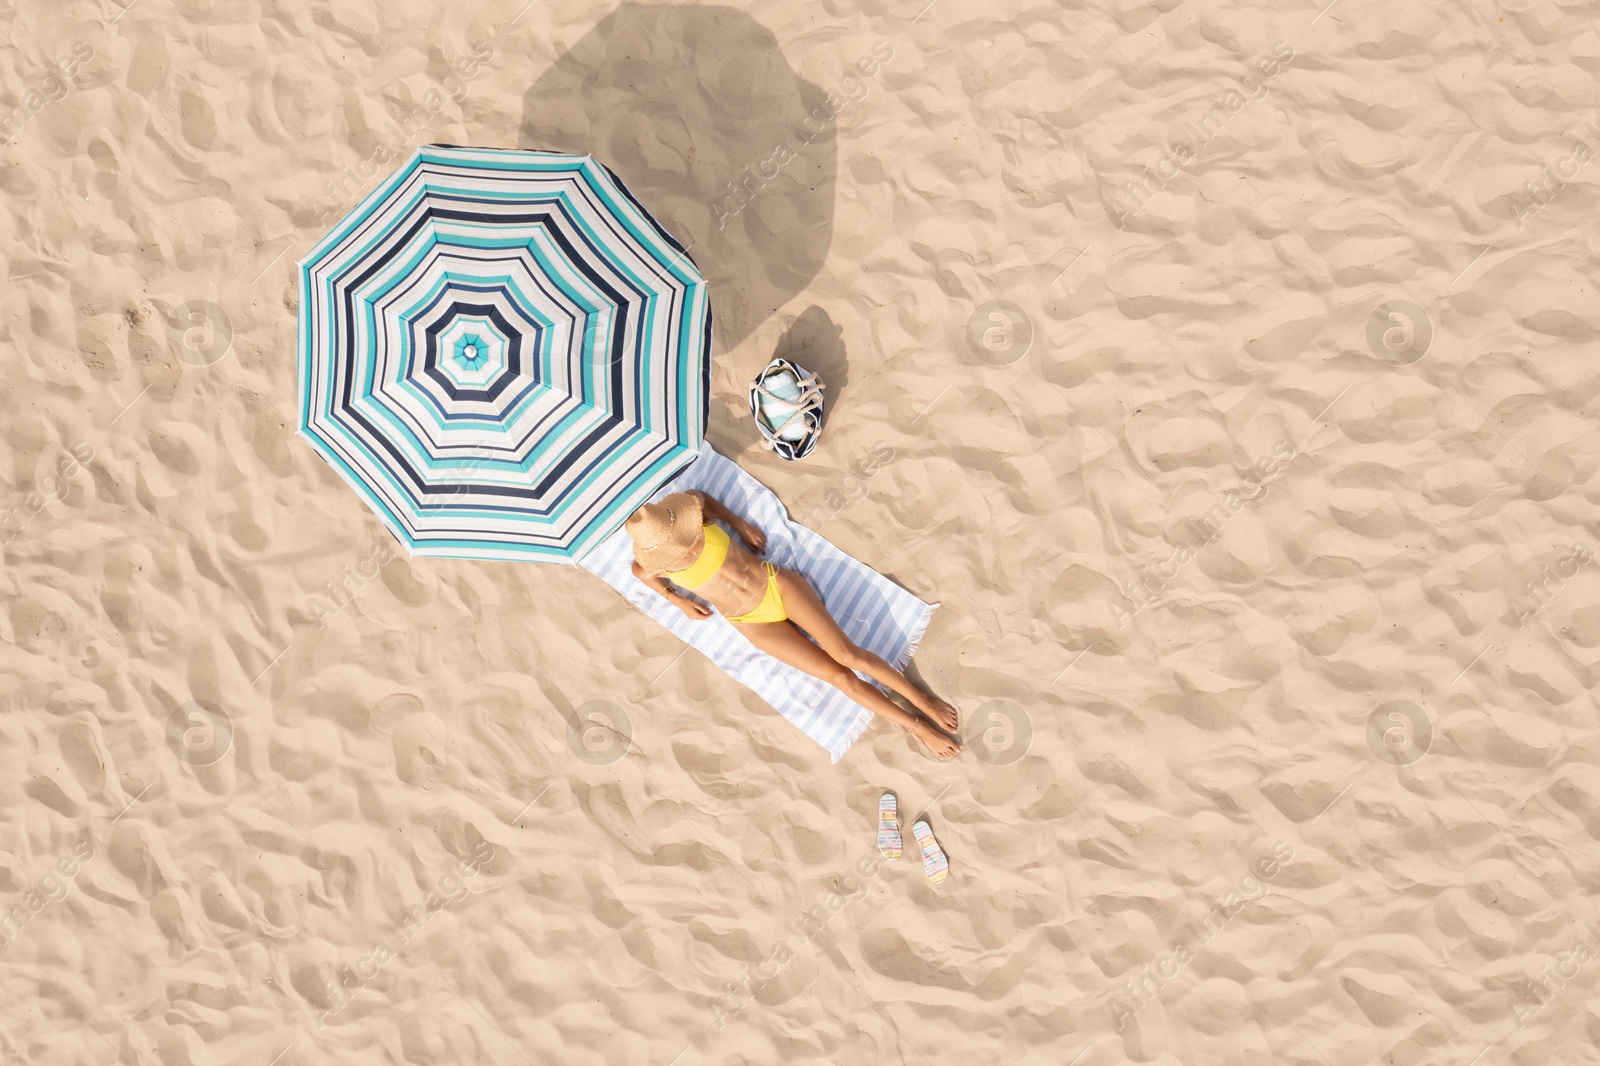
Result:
pixel 1258 513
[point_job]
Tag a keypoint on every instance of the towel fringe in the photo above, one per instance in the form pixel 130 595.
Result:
pixel 915 637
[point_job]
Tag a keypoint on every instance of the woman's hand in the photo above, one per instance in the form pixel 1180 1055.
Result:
pixel 714 509
pixel 753 537
pixel 699 612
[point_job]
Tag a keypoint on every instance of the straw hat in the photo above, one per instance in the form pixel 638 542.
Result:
pixel 664 534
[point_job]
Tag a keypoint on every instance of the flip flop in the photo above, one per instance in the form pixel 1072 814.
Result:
pixel 934 864
pixel 889 843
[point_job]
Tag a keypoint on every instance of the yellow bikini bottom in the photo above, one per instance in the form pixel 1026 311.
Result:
pixel 770 609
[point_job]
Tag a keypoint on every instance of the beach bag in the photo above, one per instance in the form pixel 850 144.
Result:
pixel 786 401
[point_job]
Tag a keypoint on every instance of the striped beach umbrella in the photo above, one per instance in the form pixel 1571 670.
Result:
pixel 503 353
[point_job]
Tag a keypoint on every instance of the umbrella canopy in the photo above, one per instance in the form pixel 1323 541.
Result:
pixel 503 353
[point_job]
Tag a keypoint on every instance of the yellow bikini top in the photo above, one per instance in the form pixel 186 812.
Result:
pixel 711 558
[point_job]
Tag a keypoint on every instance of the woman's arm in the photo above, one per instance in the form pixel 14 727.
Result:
pixel 747 531
pixel 659 583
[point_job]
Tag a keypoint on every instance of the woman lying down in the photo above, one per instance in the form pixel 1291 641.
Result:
pixel 678 542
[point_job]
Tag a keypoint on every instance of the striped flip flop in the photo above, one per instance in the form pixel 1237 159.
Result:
pixel 934 864
pixel 889 843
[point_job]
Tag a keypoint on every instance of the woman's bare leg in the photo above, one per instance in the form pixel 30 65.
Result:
pixel 788 645
pixel 806 610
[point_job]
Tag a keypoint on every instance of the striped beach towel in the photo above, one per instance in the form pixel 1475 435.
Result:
pixel 877 614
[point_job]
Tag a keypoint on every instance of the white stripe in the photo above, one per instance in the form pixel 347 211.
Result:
pixel 876 613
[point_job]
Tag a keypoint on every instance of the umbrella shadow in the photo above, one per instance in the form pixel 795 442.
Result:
pixel 696 108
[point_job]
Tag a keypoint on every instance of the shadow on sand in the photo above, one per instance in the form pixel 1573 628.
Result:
pixel 686 104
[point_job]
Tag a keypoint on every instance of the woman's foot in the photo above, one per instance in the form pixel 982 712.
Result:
pixel 940 745
pixel 943 715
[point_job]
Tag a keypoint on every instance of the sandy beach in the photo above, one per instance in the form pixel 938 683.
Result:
pixel 1226 371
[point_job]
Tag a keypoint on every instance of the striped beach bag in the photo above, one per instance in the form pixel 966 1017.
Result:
pixel 786 401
